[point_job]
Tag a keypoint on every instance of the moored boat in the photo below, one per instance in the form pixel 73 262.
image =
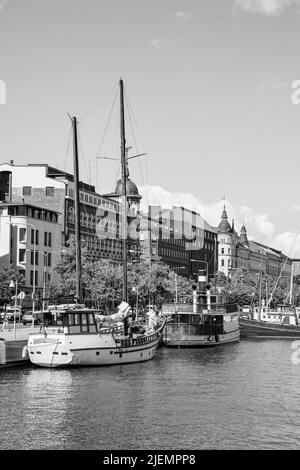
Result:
pixel 191 325
pixel 76 338
pixel 264 322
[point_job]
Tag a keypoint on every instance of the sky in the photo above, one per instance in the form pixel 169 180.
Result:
pixel 207 98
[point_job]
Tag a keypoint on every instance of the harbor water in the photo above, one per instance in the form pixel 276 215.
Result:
pixel 237 396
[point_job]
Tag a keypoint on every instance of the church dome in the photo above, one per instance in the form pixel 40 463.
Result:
pixel 131 188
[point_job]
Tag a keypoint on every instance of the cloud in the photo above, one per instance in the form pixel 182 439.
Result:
pixel 181 15
pixel 267 7
pixel 295 207
pixel 288 243
pixel 157 195
pixel 3 4
pixel 159 43
pixel 258 224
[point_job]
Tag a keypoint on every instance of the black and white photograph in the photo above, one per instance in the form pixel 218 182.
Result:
pixel 149 229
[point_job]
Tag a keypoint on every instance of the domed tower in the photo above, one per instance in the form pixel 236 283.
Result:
pixel 225 243
pixel 243 235
pixel 132 193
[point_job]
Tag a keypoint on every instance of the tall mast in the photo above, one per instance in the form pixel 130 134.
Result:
pixel 291 284
pixel 124 193
pixel 77 212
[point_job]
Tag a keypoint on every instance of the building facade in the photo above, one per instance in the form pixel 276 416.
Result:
pixel 181 238
pixel 30 241
pixel 236 251
pixel 100 215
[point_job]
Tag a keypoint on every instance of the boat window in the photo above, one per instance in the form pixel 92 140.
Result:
pixel 84 326
pixel 92 323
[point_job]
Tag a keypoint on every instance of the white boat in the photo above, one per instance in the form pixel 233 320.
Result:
pixel 77 339
pixel 74 337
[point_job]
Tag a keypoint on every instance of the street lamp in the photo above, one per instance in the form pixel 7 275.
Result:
pixel 201 261
pixel 12 285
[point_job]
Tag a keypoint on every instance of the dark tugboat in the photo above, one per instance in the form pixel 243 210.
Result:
pixel 209 321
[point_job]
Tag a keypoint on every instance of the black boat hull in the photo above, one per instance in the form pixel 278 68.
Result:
pixel 259 329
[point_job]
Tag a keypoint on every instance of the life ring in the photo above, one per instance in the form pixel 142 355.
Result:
pixel 210 338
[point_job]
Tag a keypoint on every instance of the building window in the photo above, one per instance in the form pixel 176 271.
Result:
pixel 49 190
pixel 49 259
pixel 36 257
pixel 36 237
pixel 31 277
pixel 222 251
pixel 27 190
pixel 22 252
pixel 229 251
pixel 222 262
pixel 22 234
pixel 46 238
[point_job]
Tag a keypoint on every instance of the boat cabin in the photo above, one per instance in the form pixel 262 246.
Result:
pixel 71 321
pixel 215 319
pixel 283 315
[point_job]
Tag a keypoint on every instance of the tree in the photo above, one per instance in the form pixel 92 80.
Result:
pixel 66 268
pixel 8 273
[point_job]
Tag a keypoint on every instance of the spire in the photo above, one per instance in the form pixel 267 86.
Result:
pixel 224 225
pixel 224 214
pixel 243 234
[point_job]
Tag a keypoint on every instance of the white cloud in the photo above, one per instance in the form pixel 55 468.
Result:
pixel 159 43
pixel 259 225
pixel 268 7
pixel 157 195
pixel 3 4
pixel 288 243
pixel 182 15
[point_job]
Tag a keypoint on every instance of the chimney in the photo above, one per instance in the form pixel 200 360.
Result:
pixel 11 162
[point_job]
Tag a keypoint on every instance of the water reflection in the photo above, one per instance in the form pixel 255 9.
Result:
pixel 243 395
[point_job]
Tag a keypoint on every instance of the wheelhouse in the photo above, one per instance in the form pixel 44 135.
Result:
pixel 71 321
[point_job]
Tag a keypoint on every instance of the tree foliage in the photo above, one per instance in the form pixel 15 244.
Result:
pixel 245 287
pixel 102 280
pixel 8 273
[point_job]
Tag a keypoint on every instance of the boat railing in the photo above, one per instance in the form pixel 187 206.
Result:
pixel 213 309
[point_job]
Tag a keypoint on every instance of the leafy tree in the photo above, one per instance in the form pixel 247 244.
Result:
pixel 8 273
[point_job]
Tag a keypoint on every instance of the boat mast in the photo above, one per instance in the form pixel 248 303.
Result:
pixel 124 192
pixel 77 212
pixel 259 298
pixel 291 284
